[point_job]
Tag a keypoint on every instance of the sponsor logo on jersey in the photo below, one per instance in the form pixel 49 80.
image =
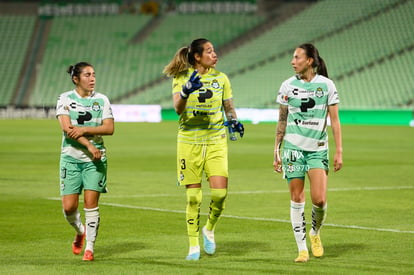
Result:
pixel 298 121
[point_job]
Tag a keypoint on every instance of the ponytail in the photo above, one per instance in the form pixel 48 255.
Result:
pixel 321 67
pixel 178 64
pixel 318 63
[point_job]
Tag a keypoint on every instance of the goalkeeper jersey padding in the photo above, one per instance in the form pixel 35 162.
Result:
pixel 90 111
pixel 202 120
pixel 308 111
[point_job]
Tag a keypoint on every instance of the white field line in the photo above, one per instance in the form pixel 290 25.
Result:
pixel 180 194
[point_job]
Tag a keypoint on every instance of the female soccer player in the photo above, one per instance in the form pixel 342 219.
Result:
pixel 306 100
pixel 84 116
pixel 200 92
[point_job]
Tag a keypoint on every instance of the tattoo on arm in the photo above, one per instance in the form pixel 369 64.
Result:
pixel 281 125
pixel 229 109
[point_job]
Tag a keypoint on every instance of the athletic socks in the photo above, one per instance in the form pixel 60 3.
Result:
pixel 75 221
pixel 318 218
pixel 92 225
pixel 297 218
pixel 194 196
pixel 217 204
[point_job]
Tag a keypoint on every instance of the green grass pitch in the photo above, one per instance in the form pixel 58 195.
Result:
pixel 369 228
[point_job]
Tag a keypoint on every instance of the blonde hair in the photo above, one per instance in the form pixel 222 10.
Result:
pixel 178 64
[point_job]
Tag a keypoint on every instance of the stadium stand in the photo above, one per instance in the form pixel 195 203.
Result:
pixel 354 39
pixel 100 40
pixel 16 31
pixel 368 47
pixel 122 66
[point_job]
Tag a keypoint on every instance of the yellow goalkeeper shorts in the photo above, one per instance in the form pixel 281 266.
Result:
pixel 194 159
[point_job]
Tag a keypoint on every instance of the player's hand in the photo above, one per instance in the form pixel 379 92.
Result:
pixel 337 162
pixel 277 161
pixel 95 152
pixel 235 126
pixel 192 85
pixel 75 132
pixel 277 166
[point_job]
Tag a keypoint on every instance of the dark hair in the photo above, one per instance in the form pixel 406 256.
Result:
pixel 318 62
pixel 184 57
pixel 196 47
pixel 75 70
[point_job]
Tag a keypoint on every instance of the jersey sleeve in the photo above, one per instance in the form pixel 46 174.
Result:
pixel 107 109
pixel 282 96
pixel 227 92
pixel 178 82
pixel 333 97
pixel 62 107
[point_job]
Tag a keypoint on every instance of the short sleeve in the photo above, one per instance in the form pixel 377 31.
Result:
pixel 107 110
pixel 333 96
pixel 62 107
pixel 227 91
pixel 282 96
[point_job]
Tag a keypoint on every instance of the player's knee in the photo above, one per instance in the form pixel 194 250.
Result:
pixel 194 196
pixel 218 194
pixel 218 197
pixel 69 210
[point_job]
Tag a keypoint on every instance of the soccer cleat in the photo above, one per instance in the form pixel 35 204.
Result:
pixel 209 243
pixel 193 257
pixel 316 245
pixel 78 243
pixel 88 256
pixel 303 257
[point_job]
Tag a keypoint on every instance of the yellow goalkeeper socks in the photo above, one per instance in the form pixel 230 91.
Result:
pixel 217 204
pixel 194 196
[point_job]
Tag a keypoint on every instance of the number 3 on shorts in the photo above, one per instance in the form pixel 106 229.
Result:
pixel 182 164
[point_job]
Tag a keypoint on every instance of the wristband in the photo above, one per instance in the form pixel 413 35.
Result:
pixel 183 95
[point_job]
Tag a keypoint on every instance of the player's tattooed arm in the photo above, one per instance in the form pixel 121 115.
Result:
pixel 281 125
pixel 229 109
pixel 280 133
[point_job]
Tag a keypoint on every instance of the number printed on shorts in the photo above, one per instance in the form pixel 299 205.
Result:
pixel 182 164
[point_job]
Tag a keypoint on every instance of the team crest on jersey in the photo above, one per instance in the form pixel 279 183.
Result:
pixel 95 106
pixel 215 84
pixel 319 92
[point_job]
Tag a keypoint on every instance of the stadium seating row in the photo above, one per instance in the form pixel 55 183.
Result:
pixel 121 65
pixel 16 32
pixel 368 33
pixel 364 44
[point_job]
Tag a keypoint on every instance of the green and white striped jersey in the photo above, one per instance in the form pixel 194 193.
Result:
pixel 90 111
pixel 307 111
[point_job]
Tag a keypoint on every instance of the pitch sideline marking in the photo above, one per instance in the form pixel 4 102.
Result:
pixel 273 191
pixel 247 218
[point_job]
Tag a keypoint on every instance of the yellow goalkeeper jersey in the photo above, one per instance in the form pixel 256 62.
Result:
pixel 202 120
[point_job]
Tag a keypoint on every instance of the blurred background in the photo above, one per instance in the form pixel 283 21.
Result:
pixel 368 47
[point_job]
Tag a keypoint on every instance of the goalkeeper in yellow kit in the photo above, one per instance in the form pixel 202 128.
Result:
pixel 200 94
